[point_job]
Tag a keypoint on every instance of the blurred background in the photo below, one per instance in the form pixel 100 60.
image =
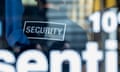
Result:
pixel 78 12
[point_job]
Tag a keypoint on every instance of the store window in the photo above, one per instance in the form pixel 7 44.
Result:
pixel 0 28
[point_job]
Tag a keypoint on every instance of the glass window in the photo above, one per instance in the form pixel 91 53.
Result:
pixel 0 28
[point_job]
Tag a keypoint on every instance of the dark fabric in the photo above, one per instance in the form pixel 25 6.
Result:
pixel 35 14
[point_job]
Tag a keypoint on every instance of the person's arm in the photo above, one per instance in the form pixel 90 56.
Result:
pixel 14 32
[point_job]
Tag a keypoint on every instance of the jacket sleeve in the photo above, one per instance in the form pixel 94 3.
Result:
pixel 14 33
